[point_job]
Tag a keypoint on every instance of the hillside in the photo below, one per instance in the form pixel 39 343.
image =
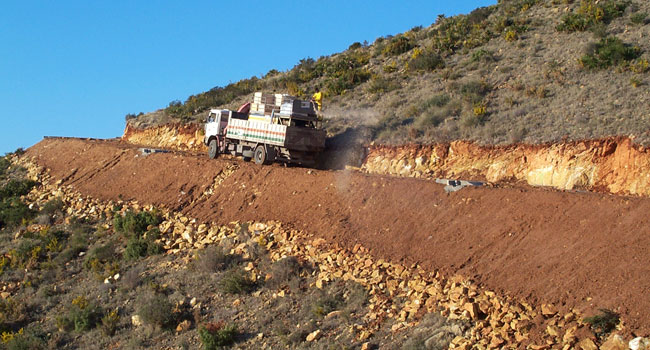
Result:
pixel 520 71
pixel 104 246
pixel 145 242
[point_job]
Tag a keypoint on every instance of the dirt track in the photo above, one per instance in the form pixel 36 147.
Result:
pixel 581 250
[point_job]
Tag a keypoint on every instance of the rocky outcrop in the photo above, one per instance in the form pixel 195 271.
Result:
pixel 615 165
pixel 185 137
pixel 609 165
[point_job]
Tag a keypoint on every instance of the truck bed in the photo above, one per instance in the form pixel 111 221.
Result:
pixel 294 138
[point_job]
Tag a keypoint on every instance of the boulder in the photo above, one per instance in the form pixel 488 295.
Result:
pixel 136 321
pixel 587 344
pixel 614 342
pixel 183 326
pixel 639 343
pixel 548 310
pixel 315 335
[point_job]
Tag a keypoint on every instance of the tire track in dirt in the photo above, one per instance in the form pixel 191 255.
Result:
pixel 575 250
pixel 91 173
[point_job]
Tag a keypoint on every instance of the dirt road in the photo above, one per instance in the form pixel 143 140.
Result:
pixel 582 250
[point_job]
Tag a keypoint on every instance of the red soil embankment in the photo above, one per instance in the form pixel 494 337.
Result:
pixel 575 250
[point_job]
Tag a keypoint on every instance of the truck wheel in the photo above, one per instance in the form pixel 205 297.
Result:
pixel 213 149
pixel 260 155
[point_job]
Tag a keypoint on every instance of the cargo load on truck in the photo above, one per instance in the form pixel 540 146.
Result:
pixel 277 127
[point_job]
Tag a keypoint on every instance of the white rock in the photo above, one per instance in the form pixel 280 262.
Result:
pixel 639 343
pixel 187 235
pixel 136 321
pixel 315 335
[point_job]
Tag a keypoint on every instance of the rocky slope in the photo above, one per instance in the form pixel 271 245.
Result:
pixel 616 166
pixel 514 72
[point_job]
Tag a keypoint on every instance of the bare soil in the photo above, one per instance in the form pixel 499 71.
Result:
pixel 572 249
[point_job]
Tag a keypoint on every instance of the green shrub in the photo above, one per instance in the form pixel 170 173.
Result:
pixel 4 165
pixel 271 73
pixel 16 188
pixel 77 243
pixel 425 60
pixel 482 55
pixel 431 112
pixel 573 22
pixel 110 322
pixel 474 91
pixel 354 46
pixel 37 247
pixel 285 271
pixel 511 35
pixel 591 13
pixel 235 281
pixel 603 323
pixel 213 335
pixel 397 46
pixel 303 72
pixel 23 341
pixel 137 247
pixel 216 96
pixel 52 206
pixel 480 15
pixel 517 6
pixel 101 261
pixel 13 212
pixel 471 120
pixel 380 84
pixel 12 313
pixel 428 119
pixel 82 316
pixel 103 253
pixel 155 309
pixel 635 82
pixel 346 81
pixel 639 18
pixel 436 101
pixel 458 32
pixel 19 151
pixel 129 116
pixel 135 224
pixel 608 52
pixel 213 259
pixel 326 303
pixel 641 65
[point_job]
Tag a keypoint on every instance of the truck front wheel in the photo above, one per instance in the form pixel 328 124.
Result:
pixel 260 155
pixel 213 149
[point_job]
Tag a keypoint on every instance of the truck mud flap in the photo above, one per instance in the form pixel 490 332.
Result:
pixel 305 139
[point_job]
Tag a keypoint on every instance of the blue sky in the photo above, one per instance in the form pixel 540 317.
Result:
pixel 75 68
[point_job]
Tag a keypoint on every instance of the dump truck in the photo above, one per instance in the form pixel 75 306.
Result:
pixel 278 128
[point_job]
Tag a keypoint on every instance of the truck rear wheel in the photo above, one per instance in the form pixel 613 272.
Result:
pixel 260 155
pixel 213 149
